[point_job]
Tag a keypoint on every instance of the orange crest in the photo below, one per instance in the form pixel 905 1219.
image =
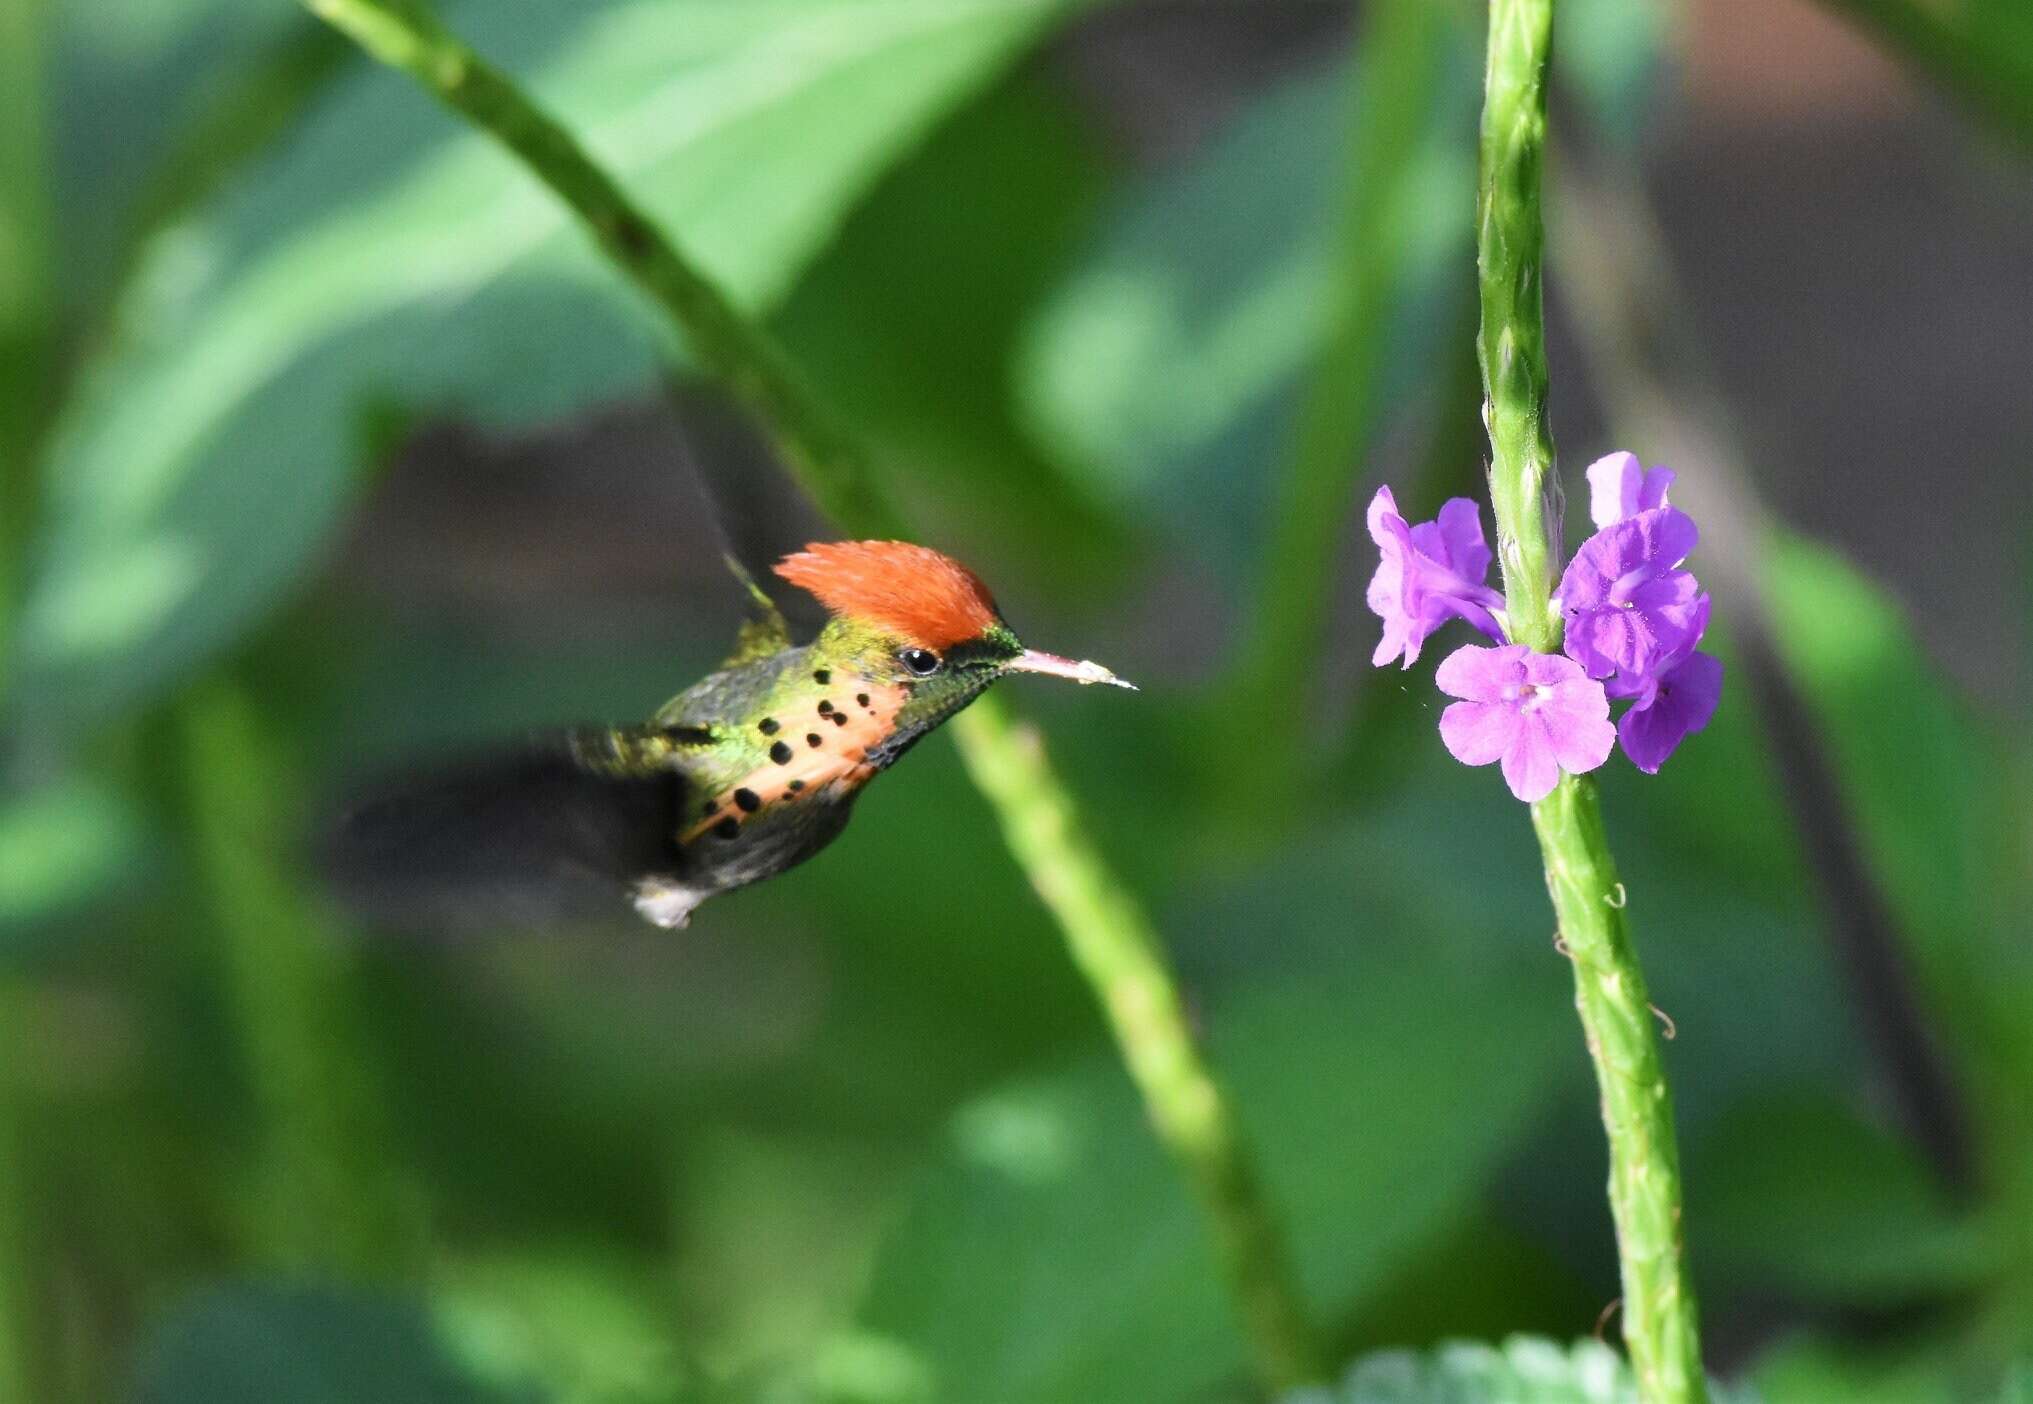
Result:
pixel 930 599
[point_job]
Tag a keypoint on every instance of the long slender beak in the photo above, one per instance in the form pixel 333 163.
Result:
pixel 1083 672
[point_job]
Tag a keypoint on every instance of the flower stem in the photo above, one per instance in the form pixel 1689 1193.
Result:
pixel 1588 899
pixel 332 1196
pixel 1637 1107
pixel 1106 930
pixel 1509 258
pixel 1120 954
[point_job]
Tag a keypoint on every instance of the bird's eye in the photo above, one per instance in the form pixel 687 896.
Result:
pixel 921 661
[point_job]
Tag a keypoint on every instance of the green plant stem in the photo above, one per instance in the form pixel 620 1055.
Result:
pixel 26 314
pixel 1990 73
pixel 1588 899
pixel 1619 1027
pixel 1108 934
pixel 25 343
pixel 1114 945
pixel 22 1299
pixel 404 35
pixel 1509 260
pixel 331 1196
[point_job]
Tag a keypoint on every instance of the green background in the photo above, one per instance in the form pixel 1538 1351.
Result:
pixel 330 443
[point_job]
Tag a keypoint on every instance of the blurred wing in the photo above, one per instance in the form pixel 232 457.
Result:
pixel 555 831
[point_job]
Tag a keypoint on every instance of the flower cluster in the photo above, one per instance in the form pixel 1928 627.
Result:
pixel 1633 617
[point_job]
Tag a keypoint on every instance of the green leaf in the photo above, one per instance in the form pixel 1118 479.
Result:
pixel 563 1321
pixel 1164 359
pixel 1903 746
pixel 300 1345
pixel 1979 51
pixel 1935 1368
pixel 134 82
pixel 910 322
pixel 1523 1370
pixel 1055 1254
pixel 386 253
pixel 1926 789
pixel 64 844
pixel 1798 1191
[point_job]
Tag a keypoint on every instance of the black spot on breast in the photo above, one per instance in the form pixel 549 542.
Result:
pixel 812 739
pixel 822 677
pixel 780 753
pixel 795 786
pixel 747 801
pixel 767 726
pixel 861 699
pixel 727 828
pixel 825 705
pixel 839 719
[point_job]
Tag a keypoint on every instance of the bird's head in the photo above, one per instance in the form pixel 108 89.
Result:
pixel 909 616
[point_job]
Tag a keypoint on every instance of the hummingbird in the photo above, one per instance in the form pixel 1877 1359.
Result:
pixel 748 772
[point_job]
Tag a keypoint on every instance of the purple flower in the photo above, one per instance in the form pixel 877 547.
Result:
pixel 1628 604
pixel 1672 703
pixel 1682 702
pixel 1429 573
pixel 1620 487
pixel 1538 713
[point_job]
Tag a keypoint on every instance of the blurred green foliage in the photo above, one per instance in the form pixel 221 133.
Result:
pixel 856 1135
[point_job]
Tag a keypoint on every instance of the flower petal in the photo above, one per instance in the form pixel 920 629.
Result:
pixel 1548 669
pixel 1417 587
pixel 1668 534
pixel 1392 643
pixel 1696 687
pixel 1382 507
pixel 1629 608
pixel 1685 702
pixel 1481 674
pixel 1460 530
pixel 1529 766
pixel 1477 733
pixel 1620 487
pixel 1580 739
pixel 1648 544
pixel 1653 487
pixel 1613 488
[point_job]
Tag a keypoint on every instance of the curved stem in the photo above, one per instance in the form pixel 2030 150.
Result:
pixel 1116 948
pixel 404 35
pixel 1588 899
pixel 1106 930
